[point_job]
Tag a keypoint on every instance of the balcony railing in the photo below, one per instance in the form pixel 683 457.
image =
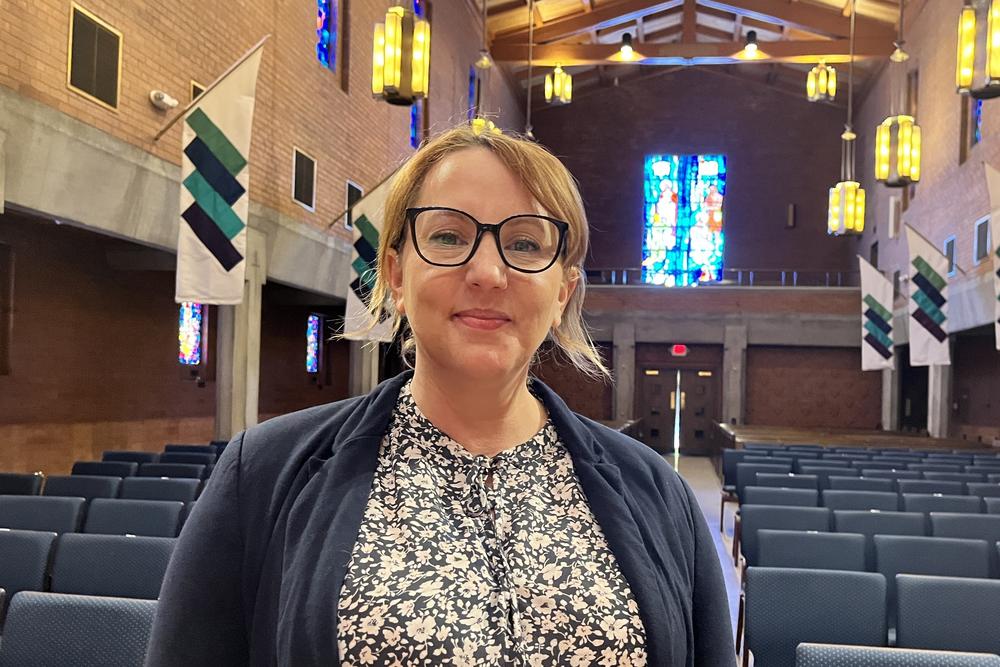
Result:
pixel 739 277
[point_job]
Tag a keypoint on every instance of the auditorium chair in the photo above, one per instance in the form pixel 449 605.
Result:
pixel 21 484
pixel 948 613
pixel 823 473
pixel 787 480
pixel 838 483
pixel 82 486
pixel 106 468
pixel 767 495
pixel 194 449
pixel 151 518
pixel 188 508
pixel 811 550
pixel 57 630
pixel 135 457
pixel 984 490
pixel 930 486
pixel 46 513
pixel 966 477
pixel 187 457
pixel 935 467
pixel 155 488
pixel 124 566
pixel 183 470
pixel 872 522
pixel 24 560
pixel 836 499
pixel 755 517
pixel 936 502
pixel 834 655
pixel 894 475
pixel 968 526
pixel 943 556
pixel 877 465
pixel 746 474
pixel 788 606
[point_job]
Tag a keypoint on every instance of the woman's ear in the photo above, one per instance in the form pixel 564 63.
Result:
pixel 394 270
pixel 571 278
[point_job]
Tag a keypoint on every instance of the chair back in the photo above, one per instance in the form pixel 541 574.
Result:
pixel 861 500
pixel 826 655
pixel 46 513
pixel 150 518
pixel 948 613
pixel 811 550
pixel 755 517
pixel 123 566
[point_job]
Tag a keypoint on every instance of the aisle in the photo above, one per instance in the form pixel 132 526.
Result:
pixel 700 474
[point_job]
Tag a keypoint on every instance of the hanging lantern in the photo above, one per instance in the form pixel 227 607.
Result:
pixel 401 57
pixel 897 151
pixel 846 213
pixel 559 86
pixel 821 84
pixel 897 138
pixel 979 49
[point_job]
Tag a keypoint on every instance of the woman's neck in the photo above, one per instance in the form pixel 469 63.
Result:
pixel 484 417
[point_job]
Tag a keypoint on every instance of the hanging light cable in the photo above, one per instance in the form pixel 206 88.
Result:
pixel 846 214
pixel 484 60
pixel 897 138
pixel 531 44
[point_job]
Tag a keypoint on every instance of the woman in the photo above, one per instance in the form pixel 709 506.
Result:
pixel 459 513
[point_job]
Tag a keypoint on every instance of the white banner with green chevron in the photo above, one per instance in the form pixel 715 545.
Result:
pixel 367 215
pixel 929 344
pixel 876 319
pixel 215 175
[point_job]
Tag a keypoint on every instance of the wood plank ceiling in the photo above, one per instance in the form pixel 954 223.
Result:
pixel 582 35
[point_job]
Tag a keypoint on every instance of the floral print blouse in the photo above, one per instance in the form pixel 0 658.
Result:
pixel 465 559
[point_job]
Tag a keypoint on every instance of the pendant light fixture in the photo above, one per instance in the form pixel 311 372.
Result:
pixel 897 138
pixel 979 49
pixel 401 57
pixel 484 60
pixel 821 84
pixel 846 214
pixel 559 86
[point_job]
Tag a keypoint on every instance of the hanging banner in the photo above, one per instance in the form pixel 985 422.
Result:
pixel 367 216
pixel 928 321
pixel 215 176
pixel 876 319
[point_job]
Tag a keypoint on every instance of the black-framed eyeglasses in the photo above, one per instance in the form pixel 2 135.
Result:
pixel 445 236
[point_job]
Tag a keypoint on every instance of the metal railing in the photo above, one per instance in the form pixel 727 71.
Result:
pixel 739 277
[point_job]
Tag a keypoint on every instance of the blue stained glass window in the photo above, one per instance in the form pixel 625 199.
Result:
pixel 683 240
pixel 189 334
pixel 416 121
pixel 313 325
pixel 420 8
pixel 326 32
pixel 977 121
pixel 472 93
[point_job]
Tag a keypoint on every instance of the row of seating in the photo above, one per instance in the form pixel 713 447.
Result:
pixel 907 500
pixel 810 654
pixel 112 565
pixel 930 482
pixel 861 451
pixel 110 516
pixel 786 607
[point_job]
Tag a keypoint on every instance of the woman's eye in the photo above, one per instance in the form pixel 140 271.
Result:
pixel 523 245
pixel 446 238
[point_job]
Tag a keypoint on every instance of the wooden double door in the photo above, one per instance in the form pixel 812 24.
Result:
pixel 679 408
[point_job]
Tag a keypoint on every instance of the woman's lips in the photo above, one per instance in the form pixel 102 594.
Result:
pixel 480 322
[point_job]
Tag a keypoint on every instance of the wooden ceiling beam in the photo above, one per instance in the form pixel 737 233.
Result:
pixel 603 16
pixel 689 22
pixel 715 53
pixel 812 18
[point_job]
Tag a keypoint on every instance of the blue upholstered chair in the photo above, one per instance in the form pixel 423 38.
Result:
pixel 56 630
pixel 113 565
pixel 834 655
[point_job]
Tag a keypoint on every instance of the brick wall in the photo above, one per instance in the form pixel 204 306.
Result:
pixel 299 102
pixel 811 388
pixel 781 150
pixel 591 398
pixel 977 386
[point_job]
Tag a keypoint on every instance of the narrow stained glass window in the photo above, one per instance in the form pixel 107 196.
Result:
pixel 683 240
pixel 326 32
pixel 313 326
pixel 189 334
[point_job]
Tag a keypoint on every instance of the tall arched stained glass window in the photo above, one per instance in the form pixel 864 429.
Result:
pixel 683 240
pixel 326 32
pixel 314 327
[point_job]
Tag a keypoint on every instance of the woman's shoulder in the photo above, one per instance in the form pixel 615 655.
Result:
pixel 635 459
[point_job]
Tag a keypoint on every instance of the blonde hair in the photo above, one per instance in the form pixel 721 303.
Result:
pixel 549 182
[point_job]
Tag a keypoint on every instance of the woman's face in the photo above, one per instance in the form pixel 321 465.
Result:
pixel 481 319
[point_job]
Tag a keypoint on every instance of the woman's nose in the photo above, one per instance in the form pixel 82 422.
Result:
pixel 486 267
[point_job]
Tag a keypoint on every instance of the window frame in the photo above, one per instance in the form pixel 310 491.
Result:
pixel 976 258
pixel 952 260
pixel 348 184
pixel 73 8
pixel 295 151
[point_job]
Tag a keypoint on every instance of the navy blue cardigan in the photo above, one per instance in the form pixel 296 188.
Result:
pixel 256 575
